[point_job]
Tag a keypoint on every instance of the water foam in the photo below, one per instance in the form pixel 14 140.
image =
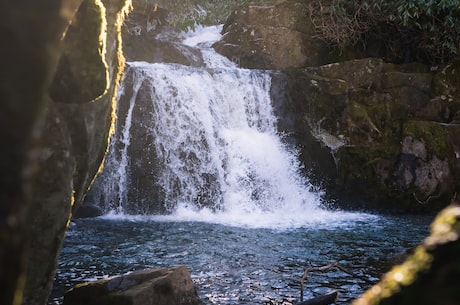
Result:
pixel 204 36
pixel 279 221
pixel 216 136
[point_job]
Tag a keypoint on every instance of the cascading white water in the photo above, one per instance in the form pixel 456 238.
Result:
pixel 215 139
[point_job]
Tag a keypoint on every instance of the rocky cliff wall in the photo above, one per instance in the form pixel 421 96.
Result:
pixel 374 134
pixel 59 82
pixel 390 136
pixel 272 35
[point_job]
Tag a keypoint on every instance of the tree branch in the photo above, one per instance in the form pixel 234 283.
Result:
pixel 325 268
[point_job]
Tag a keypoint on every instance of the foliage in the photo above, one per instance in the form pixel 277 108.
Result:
pixel 425 30
pixel 397 30
pixel 186 14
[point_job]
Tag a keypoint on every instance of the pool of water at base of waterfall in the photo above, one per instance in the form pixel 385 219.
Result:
pixel 240 265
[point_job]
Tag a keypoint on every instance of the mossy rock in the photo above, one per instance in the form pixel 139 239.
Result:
pixel 435 135
pixel 447 80
pixel 272 35
pixel 365 112
pixel 430 275
pixel 83 70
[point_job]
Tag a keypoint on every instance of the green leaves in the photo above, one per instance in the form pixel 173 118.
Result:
pixel 432 27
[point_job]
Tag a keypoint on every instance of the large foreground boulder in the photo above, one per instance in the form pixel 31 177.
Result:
pixel 62 65
pixel 164 286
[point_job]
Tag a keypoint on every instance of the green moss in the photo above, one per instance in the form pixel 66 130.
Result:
pixel 354 164
pixel 435 136
pixel 446 81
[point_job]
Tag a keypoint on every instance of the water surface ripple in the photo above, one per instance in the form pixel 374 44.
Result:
pixel 237 265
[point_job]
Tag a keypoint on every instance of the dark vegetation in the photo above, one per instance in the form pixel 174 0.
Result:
pixel 398 31
pixel 184 14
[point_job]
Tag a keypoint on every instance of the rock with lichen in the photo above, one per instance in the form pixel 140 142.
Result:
pixel 374 133
pixel 430 275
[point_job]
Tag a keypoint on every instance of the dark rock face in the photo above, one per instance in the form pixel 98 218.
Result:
pixel 141 172
pixel 146 37
pixel 32 32
pixel 57 98
pixel 369 131
pixel 87 211
pixel 273 35
pixel 164 286
pixel 390 136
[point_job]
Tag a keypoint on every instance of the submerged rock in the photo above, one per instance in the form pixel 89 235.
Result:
pixel 165 286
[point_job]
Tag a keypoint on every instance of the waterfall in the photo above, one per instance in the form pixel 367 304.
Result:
pixel 201 143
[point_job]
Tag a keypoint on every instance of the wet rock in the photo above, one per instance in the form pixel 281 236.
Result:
pixel 376 132
pixel 147 37
pixel 273 35
pixel 166 286
pixel 143 193
pixel 88 211
pixel 151 48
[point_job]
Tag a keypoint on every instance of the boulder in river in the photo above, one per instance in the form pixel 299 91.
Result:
pixel 164 286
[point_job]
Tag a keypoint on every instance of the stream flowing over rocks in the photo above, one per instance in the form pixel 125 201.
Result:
pixel 373 135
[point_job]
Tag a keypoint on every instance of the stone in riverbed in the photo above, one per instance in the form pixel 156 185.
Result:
pixel 164 286
pixel 87 211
